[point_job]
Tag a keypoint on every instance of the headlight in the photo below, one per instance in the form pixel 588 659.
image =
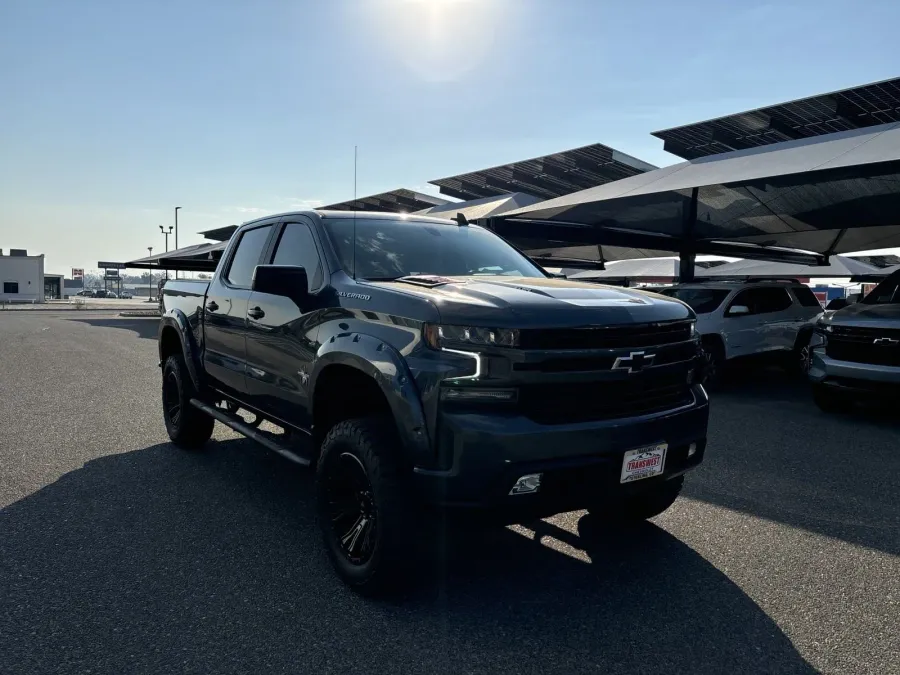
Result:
pixel 823 328
pixel 439 337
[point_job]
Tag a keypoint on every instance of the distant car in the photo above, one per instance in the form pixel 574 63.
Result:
pixel 125 295
pixel 751 319
pixel 855 350
pixel 87 294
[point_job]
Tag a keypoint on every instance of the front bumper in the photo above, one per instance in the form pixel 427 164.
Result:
pixel 580 463
pixel 851 376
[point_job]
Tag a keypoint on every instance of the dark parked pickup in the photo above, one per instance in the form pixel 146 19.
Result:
pixel 423 365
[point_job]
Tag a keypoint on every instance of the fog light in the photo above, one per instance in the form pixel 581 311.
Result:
pixel 692 449
pixel 527 484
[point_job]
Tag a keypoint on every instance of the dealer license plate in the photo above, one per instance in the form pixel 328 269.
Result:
pixel 644 462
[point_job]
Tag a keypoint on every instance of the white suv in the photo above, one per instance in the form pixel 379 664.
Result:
pixel 752 318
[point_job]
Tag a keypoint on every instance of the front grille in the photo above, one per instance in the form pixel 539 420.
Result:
pixel 611 337
pixel 572 402
pixel 863 352
pixel 685 351
pixel 866 335
pixel 857 344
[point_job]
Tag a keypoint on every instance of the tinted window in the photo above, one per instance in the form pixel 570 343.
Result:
pixel 10 287
pixel 388 249
pixel 806 297
pixel 763 300
pixel 887 292
pixel 701 300
pixel 246 258
pixel 297 247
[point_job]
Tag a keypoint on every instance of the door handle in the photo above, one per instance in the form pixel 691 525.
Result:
pixel 255 313
pixel 212 306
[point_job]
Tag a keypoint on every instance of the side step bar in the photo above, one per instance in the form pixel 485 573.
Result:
pixel 242 427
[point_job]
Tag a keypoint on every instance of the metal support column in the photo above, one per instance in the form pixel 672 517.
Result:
pixel 687 256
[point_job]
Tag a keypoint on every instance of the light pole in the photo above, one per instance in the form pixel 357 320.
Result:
pixel 150 278
pixel 176 234
pixel 167 233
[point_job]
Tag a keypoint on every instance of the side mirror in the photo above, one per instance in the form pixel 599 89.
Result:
pixel 288 281
pixel 738 310
pixel 837 303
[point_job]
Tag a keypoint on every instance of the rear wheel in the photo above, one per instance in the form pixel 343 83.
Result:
pixel 827 400
pixel 367 522
pixel 713 363
pixel 640 507
pixel 801 356
pixel 187 426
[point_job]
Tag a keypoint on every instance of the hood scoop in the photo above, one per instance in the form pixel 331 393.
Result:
pixel 426 280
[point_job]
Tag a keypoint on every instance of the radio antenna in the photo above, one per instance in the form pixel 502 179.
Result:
pixel 355 207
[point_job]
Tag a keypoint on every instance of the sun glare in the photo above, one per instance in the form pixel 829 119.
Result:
pixel 440 40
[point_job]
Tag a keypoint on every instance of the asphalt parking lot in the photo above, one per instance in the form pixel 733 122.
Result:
pixel 122 554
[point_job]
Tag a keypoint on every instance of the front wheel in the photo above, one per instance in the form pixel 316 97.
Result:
pixel 640 507
pixel 187 426
pixel 363 506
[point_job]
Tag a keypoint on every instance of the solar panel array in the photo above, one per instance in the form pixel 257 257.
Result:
pixel 550 176
pixel 854 108
pixel 395 201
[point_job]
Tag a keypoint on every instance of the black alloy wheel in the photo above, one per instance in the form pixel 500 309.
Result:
pixel 172 398
pixel 804 359
pixel 351 508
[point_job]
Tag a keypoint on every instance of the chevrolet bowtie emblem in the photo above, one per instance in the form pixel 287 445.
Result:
pixel 635 362
pixel 885 341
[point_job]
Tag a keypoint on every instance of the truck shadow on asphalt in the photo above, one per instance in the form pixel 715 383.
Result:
pixel 142 327
pixel 158 560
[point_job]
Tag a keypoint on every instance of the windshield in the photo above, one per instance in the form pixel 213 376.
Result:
pixel 885 293
pixel 389 249
pixel 701 300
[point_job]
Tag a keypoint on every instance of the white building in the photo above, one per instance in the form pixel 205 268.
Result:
pixel 21 276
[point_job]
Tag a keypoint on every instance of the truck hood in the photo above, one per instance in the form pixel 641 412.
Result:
pixel 524 302
pixel 861 314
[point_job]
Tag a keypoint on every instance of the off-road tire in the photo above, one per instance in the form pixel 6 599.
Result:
pixel 190 428
pixel 640 507
pixel 394 538
pixel 827 401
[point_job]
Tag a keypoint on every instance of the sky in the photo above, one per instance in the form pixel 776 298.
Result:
pixel 114 112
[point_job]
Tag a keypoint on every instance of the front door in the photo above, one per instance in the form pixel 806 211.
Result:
pixel 282 337
pixel 225 313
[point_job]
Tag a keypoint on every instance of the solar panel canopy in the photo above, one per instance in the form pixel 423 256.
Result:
pixel 195 258
pixel 827 195
pixel 854 108
pixel 476 209
pixel 546 177
pixel 395 201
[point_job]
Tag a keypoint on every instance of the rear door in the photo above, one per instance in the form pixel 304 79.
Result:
pixel 282 337
pixel 225 313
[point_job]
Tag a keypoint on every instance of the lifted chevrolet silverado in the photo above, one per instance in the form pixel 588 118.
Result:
pixel 424 365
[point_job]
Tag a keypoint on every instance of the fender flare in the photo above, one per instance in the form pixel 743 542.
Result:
pixel 177 320
pixel 387 367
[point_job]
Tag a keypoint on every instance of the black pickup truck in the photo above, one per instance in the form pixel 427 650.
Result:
pixel 424 366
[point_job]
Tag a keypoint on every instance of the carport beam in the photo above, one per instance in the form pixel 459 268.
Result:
pixel 687 258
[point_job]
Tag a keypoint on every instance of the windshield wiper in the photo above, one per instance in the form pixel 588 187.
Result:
pixel 381 278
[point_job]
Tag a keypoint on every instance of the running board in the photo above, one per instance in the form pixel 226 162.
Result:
pixel 261 437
